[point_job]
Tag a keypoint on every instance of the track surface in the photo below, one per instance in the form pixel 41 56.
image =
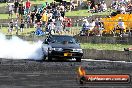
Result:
pixel 32 74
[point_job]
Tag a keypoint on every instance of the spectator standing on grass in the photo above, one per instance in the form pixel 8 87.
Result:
pixel 48 7
pixel 44 19
pixel 129 7
pixel 35 8
pixel 28 5
pixel 122 9
pixel 95 9
pixel 89 6
pixel 51 28
pixel 103 6
pixel 10 27
pixel 50 16
pixel 22 25
pixel 28 20
pixel 21 9
pixel 115 4
pixel 55 13
pixel 16 26
pixel 38 16
pixel 10 9
pixel 16 5
pixel 62 10
pixel 58 25
pixel 32 17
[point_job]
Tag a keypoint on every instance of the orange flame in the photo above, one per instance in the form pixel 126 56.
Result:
pixel 81 71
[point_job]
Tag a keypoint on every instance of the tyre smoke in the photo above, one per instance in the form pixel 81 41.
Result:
pixel 16 48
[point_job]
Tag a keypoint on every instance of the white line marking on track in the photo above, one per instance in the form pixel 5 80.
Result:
pixel 106 61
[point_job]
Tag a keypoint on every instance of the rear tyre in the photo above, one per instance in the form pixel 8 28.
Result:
pixel 49 58
pixel 44 58
pixel 78 59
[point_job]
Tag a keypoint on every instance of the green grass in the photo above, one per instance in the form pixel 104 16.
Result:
pixel 4 30
pixel 3 4
pixel 26 32
pixel 6 16
pixel 84 13
pixel 32 1
pixel 118 47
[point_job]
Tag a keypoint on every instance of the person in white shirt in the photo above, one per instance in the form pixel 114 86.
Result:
pixel 16 26
pixel 10 9
pixel 85 28
pixel 92 25
pixel 123 9
pixel 51 27
pixel 103 6
pixel 120 26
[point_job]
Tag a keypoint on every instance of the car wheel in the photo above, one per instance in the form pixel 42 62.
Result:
pixel 78 59
pixel 44 58
pixel 49 58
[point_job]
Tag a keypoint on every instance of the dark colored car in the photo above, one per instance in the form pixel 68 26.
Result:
pixel 63 46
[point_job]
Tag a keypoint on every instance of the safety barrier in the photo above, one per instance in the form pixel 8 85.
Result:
pixel 112 55
pixel 30 28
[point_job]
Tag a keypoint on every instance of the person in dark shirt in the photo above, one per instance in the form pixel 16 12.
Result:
pixel 35 8
pixel 53 5
pixel 32 16
pixel 22 25
pixel 10 27
pixel 16 4
pixel 62 13
pixel 21 9
pixel 48 7
pixel 38 16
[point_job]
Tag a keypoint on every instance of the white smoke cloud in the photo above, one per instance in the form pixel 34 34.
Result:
pixel 17 48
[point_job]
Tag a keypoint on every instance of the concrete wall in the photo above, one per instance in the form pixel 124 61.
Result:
pixel 85 39
pixel 108 40
pixel 107 55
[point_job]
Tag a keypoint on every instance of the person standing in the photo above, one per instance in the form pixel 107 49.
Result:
pixel 44 19
pixel 21 8
pixel 10 9
pixel 16 26
pixel 16 5
pixel 28 5
pixel 10 27
pixel 22 25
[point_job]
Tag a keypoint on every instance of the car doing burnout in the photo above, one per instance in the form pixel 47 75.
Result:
pixel 62 46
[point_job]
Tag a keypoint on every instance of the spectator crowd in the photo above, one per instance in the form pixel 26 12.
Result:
pixel 96 26
pixel 122 6
pixel 46 17
pixel 50 17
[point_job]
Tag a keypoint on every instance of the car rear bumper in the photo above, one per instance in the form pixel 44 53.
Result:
pixel 57 54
